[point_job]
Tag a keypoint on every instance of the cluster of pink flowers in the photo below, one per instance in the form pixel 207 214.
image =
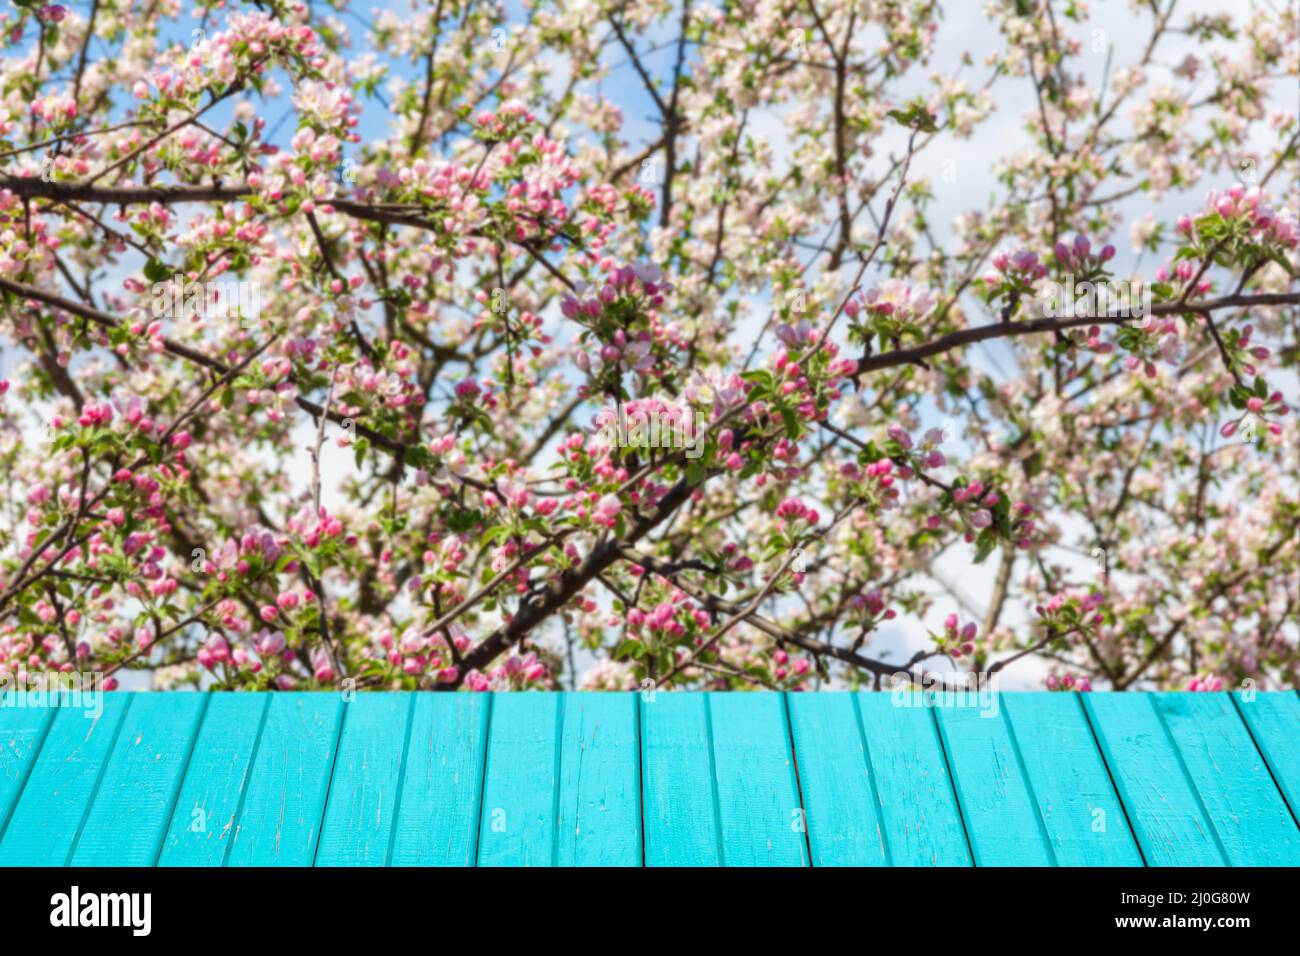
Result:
pixel 879 476
pixel 606 511
pixel 313 528
pixel 894 299
pixel 872 606
pixel 1161 338
pixel 1239 203
pixel 1079 255
pixel 959 639
pixel 1260 409
pixel 638 287
pixel 1247 353
pixel 1092 340
pixel 1184 272
pixel 1068 683
pixel 1086 605
pixel 517 672
pixel 785 668
pixel 793 513
pixel 95 413
pixel 1022 266
pixel 237 556
pixel 980 499
pixel 634 353
pixel 419 654
pixel 667 618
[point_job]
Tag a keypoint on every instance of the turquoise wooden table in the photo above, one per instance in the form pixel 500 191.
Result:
pixel 744 779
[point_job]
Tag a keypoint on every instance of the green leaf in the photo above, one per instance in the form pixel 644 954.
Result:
pixel 156 271
pixel 790 419
pixel 417 456
pixel 916 116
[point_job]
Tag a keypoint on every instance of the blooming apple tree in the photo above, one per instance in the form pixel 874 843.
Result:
pixel 593 342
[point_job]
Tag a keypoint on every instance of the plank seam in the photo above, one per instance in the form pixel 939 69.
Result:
pixel 1241 715
pixel 937 729
pixel 881 830
pixel 637 702
pixel 401 782
pixel 180 780
pixel 243 787
pixel 99 779
pixel 1182 765
pixel 1114 786
pixel 794 772
pixel 329 784
pixel 713 782
pixel 483 775
pixel 27 775
pixel 1029 784
pixel 556 779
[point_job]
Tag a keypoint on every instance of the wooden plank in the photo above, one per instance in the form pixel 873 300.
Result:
pixel 25 719
pixel 44 825
pixel 207 810
pixel 599 819
pixel 442 785
pixel 142 778
pixel 1168 818
pixel 359 817
pixel 1252 821
pixel 680 810
pixel 919 812
pixel 1274 722
pixel 285 798
pixel 836 781
pixel 997 805
pixel 760 815
pixel 1081 813
pixel 520 783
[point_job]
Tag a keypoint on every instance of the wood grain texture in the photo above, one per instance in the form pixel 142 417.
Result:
pixel 442 784
pixel 997 803
pixel 759 811
pixel 679 798
pixel 681 778
pixel 24 722
pixel 202 827
pixel 919 813
pixel 1250 818
pixel 599 813
pixel 43 827
pixel 521 787
pixel 142 778
pixel 358 824
pixel 1077 803
pixel 836 782
pixel 1166 812
pixel 284 801
pixel 1274 723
